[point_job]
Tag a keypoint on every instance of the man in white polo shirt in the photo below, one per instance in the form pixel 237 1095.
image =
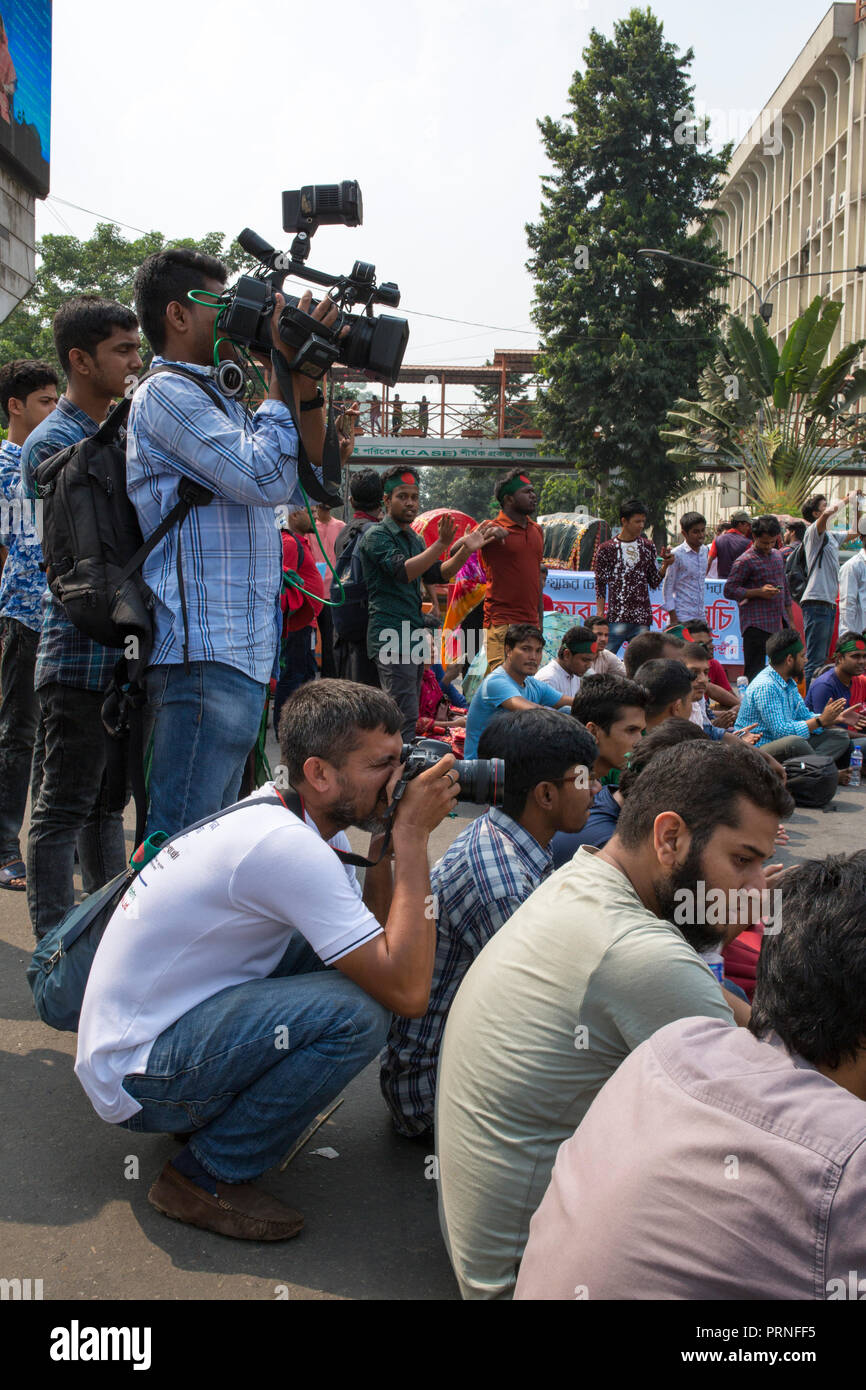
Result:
pixel 587 968
pixel 577 652
pixel 211 1006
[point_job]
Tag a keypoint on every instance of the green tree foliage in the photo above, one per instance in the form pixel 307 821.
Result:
pixel 621 338
pixel 561 492
pixel 467 490
pixel 519 405
pixel 105 264
pixel 780 417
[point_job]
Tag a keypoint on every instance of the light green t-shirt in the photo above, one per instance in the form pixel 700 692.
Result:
pixel 579 976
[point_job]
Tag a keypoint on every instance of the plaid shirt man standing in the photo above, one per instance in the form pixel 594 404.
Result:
pixel 758 583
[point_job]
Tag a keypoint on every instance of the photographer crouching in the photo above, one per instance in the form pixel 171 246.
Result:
pixel 256 982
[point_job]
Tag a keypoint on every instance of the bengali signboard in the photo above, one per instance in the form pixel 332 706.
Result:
pixel 25 91
pixel 573 593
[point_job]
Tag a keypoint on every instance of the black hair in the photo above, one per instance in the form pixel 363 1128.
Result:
pixel 646 647
pixel 575 634
pixel 669 734
pixel 798 527
pixel 700 625
pixel 767 526
pixel 504 480
pixel 846 637
pixel 704 784
pixel 601 700
pixel 20 377
pixel 397 471
pixel 167 276
pixel 809 509
pixel 811 985
pixel 665 681
pixel 519 632
pixel 366 489
pixel 632 507
pixel 324 718
pixel 690 519
pixel 780 644
pixel 597 620
pixel 537 745
pixel 86 321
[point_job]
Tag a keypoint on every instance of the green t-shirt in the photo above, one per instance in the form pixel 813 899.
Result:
pixel 575 981
pixel 393 600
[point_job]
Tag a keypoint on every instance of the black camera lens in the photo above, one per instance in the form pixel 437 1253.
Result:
pixel 482 780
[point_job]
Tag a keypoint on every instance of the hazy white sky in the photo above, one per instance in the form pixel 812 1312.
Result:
pixel 191 117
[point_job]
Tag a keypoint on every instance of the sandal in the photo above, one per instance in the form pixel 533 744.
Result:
pixel 10 872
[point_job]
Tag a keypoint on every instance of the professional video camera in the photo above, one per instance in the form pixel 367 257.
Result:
pixel 373 345
pixel 481 779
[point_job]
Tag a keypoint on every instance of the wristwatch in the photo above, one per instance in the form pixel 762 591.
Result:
pixel 315 402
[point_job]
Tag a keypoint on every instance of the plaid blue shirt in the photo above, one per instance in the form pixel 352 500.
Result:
pixel 776 706
pixel 64 655
pixel 490 869
pixel 231 552
pixel 23 582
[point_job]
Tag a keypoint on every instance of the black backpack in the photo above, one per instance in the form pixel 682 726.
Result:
pixel 811 780
pixel 350 617
pixel 798 572
pixel 92 544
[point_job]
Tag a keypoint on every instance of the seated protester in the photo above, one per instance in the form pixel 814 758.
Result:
pixel 612 710
pixel 513 685
pixel 446 676
pixel 588 968
pixel 490 869
pixel 652 646
pixel 219 1012
pixel 604 663
pixel 697 663
pixel 655 1220
pixel 435 717
pixel 576 654
pixel 669 688
pixel 837 681
pixel 719 687
pixel 787 726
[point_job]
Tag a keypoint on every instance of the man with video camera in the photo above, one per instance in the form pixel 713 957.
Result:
pixel 216 578
pixel 243 982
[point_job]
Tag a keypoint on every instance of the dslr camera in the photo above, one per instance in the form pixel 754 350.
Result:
pixel 374 345
pixel 480 779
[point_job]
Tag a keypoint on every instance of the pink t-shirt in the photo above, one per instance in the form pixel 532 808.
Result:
pixel 328 531
pixel 710 1166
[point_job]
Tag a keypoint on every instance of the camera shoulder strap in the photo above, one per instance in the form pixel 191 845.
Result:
pixel 294 803
pixel 328 490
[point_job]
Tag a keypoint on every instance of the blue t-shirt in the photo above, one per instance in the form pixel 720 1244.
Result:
pixel 603 816
pixel 826 687
pixel 492 692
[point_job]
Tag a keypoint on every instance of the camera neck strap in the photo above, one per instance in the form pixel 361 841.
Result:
pixel 328 490
pixel 294 802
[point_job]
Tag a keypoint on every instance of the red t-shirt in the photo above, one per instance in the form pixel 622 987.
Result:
pixel 513 569
pixel 717 675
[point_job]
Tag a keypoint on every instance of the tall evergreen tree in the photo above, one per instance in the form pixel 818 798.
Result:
pixel 624 337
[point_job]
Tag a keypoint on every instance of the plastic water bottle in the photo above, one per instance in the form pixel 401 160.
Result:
pixel 742 684
pixel 855 766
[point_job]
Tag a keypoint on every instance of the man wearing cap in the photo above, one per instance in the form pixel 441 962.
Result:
pixel 731 544
pixel 788 728
pixel 576 654
pixel 837 682
pixel 394 560
pixel 513 565
pixel 852 588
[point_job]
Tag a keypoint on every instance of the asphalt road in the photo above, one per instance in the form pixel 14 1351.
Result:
pixel 73 1189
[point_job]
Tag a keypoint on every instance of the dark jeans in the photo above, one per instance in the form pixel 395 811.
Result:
pixel 818 621
pixel 300 666
pixel 623 632
pixel 833 743
pixel 754 651
pixel 402 681
pixel 19 716
pixel 353 663
pixel 326 632
pixel 222 1070
pixel 71 806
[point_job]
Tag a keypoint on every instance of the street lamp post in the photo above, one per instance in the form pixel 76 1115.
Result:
pixel 765 308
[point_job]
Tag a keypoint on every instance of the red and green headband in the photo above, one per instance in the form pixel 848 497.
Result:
pixel 679 630
pixel 514 485
pixel 405 479
pixel 852 644
pixel 582 646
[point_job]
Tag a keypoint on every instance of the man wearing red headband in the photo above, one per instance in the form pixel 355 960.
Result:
pixel 394 560
pixel 513 565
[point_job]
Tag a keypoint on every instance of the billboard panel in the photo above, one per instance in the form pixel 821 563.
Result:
pixel 25 91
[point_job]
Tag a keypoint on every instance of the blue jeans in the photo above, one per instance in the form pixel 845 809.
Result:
pixel 818 620
pixel 251 1067
pixel 623 632
pixel 300 666
pixel 205 724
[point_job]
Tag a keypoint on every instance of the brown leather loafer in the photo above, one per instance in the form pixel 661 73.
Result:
pixel 238 1209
